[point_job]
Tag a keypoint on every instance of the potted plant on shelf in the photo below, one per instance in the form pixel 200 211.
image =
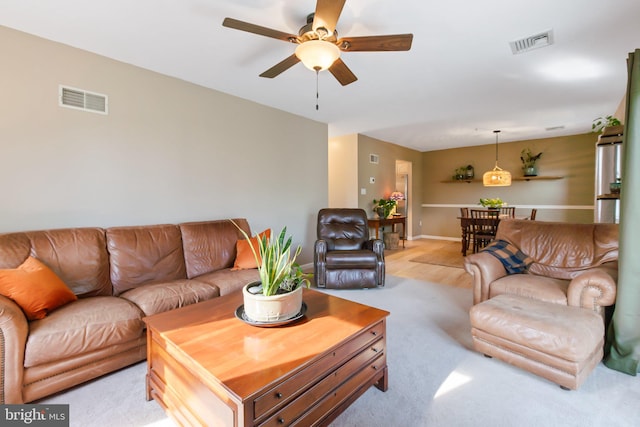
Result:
pixel 529 162
pixel 383 207
pixel 495 203
pixel 277 296
pixel 608 124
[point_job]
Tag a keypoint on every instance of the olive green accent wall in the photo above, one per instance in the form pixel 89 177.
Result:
pixel 568 199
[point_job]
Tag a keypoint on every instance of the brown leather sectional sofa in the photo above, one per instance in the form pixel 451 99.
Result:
pixel 119 275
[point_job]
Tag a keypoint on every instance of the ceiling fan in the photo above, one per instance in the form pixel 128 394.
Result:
pixel 319 47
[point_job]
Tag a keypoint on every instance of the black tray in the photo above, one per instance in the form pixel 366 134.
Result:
pixel 240 314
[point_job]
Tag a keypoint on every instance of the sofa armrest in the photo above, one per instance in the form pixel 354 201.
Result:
pixel 375 245
pixel 14 329
pixel 485 269
pixel 594 289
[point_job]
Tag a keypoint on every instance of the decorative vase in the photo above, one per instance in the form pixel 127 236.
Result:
pixel 614 187
pixel 470 172
pixel 531 171
pixel 380 213
pixel 274 308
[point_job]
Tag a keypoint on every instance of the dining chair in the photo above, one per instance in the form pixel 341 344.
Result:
pixel 534 211
pixel 484 224
pixel 508 212
pixel 466 230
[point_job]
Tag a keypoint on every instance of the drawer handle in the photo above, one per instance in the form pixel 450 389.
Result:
pixel 280 420
pixel 279 395
pixel 375 368
pixel 375 350
pixel 374 333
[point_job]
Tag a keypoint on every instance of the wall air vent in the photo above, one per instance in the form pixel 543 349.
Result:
pixel 83 100
pixel 532 42
pixel 374 158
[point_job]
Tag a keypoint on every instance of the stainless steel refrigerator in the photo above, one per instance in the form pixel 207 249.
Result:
pixel 608 172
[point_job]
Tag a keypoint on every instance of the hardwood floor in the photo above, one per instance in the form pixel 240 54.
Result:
pixel 398 263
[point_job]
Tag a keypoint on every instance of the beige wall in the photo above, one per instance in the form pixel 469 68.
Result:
pixel 385 176
pixel 343 172
pixel 168 151
pixel 568 199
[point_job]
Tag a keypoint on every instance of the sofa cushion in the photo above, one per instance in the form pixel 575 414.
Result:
pixel 531 286
pixel 78 256
pixel 159 297
pixel 35 288
pixel 80 327
pixel 145 254
pixel 211 245
pixel 561 250
pixel 362 259
pixel 245 257
pixel 228 281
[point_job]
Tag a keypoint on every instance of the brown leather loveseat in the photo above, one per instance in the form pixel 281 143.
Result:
pixel 119 275
pixel 573 264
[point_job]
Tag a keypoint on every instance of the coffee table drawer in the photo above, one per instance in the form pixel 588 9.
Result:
pixel 368 361
pixel 290 388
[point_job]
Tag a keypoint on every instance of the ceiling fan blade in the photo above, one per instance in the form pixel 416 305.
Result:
pixel 327 14
pixel 376 43
pixel 342 73
pixel 257 29
pixel 281 67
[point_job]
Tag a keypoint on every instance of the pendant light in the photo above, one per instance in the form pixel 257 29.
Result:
pixel 496 177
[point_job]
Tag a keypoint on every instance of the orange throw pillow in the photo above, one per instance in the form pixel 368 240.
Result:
pixel 35 288
pixel 245 258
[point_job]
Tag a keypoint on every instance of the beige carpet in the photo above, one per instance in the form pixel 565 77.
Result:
pixel 448 254
pixel 435 378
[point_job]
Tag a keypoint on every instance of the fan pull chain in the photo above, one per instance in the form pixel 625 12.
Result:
pixel 317 91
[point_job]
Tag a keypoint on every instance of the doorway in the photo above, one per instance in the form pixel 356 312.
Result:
pixel 403 185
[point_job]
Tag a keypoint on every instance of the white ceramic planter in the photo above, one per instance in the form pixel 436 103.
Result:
pixel 273 308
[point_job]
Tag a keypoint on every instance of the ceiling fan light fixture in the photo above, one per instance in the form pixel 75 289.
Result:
pixel 496 177
pixel 317 55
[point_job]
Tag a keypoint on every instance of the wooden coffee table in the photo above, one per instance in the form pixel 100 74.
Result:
pixel 206 367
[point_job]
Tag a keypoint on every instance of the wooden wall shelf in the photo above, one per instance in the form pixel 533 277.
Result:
pixel 535 178
pixel 517 178
pixel 609 196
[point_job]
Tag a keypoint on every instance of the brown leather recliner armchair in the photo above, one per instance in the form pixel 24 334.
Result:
pixel 344 256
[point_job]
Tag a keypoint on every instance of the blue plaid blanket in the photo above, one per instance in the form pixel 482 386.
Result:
pixel 512 258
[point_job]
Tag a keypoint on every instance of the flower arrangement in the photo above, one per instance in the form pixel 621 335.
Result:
pixel 492 203
pixel 383 207
pixel 276 264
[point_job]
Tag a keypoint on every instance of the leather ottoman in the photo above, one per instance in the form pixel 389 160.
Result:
pixel 560 343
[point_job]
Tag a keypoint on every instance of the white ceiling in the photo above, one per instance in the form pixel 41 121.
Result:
pixel 458 82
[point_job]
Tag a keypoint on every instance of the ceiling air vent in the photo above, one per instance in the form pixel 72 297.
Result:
pixel 83 100
pixel 532 42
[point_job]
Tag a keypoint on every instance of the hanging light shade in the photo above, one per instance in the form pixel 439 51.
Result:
pixel 496 177
pixel 317 55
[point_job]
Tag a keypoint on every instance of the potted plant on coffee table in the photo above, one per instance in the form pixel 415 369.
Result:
pixel 277 296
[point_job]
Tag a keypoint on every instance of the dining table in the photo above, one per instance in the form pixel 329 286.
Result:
pixel 467 222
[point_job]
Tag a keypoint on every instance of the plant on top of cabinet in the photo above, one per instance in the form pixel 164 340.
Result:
pixel 600 123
